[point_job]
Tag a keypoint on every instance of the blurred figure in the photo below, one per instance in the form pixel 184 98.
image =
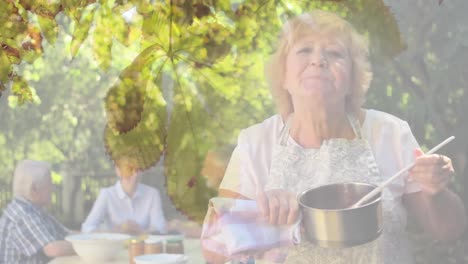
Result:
pixel 28 234
pixel 128 206
pixel 188 228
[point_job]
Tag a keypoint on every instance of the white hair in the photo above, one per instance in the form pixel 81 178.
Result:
pixel 29 173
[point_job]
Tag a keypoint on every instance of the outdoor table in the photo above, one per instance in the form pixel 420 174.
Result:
pixel 192 249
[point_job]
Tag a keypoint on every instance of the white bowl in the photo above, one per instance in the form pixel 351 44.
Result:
pixel 165 238
pixel 97 247
pixel 161 259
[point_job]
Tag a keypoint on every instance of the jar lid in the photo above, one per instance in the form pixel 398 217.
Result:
pixel 154 240
pixel 174 240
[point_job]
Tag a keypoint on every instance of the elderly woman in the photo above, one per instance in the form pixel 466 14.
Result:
pixel 28 234
pixel 128 206
pixel 319 76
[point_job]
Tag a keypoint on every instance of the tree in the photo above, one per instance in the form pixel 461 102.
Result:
pixel 200 64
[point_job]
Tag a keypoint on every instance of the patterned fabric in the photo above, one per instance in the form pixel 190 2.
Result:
pixel 339 160
pixel 24 230
pixel 233 227
pixel 390 138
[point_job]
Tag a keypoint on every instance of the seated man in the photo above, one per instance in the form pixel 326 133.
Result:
pixel 28 234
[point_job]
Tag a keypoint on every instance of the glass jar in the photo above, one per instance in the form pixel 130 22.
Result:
pixel 135 248
pixel 175 246
pixel 153 246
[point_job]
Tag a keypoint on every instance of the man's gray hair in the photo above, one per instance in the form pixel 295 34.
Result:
pixel 29 173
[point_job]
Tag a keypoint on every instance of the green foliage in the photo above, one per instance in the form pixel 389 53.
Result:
pixel 200 64
pixel 190 75
pixel 81 29
pixel 49 28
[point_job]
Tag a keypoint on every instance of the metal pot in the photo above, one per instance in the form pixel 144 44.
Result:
pixel 329 223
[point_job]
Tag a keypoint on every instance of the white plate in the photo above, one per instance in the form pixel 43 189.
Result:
pixel 161 259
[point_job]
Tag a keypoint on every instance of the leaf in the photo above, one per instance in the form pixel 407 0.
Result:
pixel 145 142
pixel 215 164
pixel 376 18
pixel 49 28
pixel 195 131
pixel 134 35
pixel 20 88
pixel 125 100
pixel 155 26
pixel 102 37
pixel 81 30
pixel 5 67
pixel 31 44
pixel 145 6
pixel 11 22
pixel 75 8
pixel 45 8
pixel 120 29
pixel 187 145
pixel 2 88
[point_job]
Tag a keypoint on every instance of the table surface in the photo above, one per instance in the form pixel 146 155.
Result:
pixel 192 249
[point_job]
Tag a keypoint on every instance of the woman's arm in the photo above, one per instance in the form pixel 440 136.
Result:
pixel 157 219
pixel 442 215
pixel 439 211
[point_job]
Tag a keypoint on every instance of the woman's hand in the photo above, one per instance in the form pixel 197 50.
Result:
pixel 278 207
pixel 432 172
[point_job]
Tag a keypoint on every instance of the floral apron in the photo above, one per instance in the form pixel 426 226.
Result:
pixel 296 169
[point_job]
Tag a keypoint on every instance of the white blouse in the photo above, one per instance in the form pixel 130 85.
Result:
pixel 114 207
pixel 390 138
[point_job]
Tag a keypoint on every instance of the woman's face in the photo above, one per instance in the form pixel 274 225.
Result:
pixel 128 175
pixel 131 180
pixel 318 70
